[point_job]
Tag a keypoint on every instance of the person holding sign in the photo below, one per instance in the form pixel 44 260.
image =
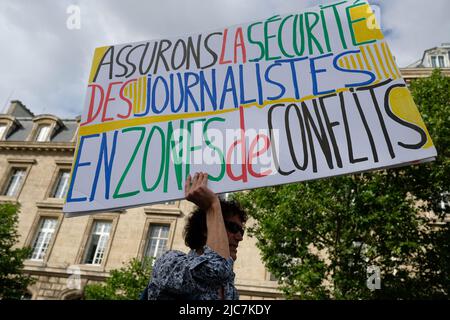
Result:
pixel 213 232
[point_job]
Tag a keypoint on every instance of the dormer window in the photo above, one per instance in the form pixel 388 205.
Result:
pixel 45 127
pixel 8 124
pixel 438 61
pixel 43 132
pixel 2 131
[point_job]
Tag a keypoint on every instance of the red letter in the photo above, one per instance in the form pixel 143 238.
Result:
pixel 239 42
pixel 243 176
pixel 251 155
pixel 224 44
pixel 128 101
pixel 108 99
pixel 91 117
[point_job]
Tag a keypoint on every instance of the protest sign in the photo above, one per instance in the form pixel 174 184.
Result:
pixel 294 97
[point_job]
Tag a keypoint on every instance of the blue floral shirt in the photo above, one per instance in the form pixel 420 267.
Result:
pixel 177 275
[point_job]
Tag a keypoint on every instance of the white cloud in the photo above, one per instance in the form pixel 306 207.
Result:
pixel 414 26
pixel 46 66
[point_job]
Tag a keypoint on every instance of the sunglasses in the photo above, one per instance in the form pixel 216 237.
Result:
pixel 234 227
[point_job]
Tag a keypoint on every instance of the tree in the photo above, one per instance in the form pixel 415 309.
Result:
pixel 125 283
pixel 431 182
pixel 13 281
pixel 329 238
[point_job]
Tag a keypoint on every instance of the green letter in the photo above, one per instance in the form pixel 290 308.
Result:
pixel 258 43
pixel 144 160
pixel 280 37
pixel 177 158
pixel 130 163
pixel 309 28
pixel 267 37
pixel 338 21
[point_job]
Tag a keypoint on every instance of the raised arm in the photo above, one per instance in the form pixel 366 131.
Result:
pixel 196 191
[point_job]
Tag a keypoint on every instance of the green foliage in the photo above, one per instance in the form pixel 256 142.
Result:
pixel 430 181
pixel 125 283
pixel 13 282
pixel 319 237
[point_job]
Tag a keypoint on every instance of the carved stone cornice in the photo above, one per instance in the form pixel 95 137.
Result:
pixel 41 269
pixel 163 211
pixel 51 205
pixel 413 73
pixel 37 146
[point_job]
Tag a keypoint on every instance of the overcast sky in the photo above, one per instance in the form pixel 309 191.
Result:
pixel 46 65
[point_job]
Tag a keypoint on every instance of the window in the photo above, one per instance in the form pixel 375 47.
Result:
pixel 169 203
pixel 8 125
pixel 433 62
pixel 272 277
pixel 2 131
pixel 43 237
pixel 441 61
pixel 15 182
pixel 98 242
pixel 42 133
pixel 437 61
pixel 61 185
pixel 158 236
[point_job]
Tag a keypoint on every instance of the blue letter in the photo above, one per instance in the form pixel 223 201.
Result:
pixel 76 165
pixel 147 105
pixel 188 87
pixel 229 86
pixel 242 87
pixel 314 73
pixel 293 72
pixel 166 91
pixel 211 90
pixel 279 85
pixel 108 165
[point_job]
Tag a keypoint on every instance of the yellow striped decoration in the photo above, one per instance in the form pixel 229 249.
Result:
pixel 346 63
pixel 135 106
pixel 366 61
pixel 352 60
pixel 136 91
pixel 144 94
pixel 380 61
pixel 391 59
pixel 386 59
pixel 374 63
pixel 138 95
pixel 360 63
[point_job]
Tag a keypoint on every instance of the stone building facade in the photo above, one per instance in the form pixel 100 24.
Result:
pixel 36 154
pixel 437 57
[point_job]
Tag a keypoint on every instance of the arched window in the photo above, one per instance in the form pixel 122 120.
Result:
pixel 7 126
pixel 44 128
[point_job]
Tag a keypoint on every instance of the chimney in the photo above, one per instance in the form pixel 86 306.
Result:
pixel 18 109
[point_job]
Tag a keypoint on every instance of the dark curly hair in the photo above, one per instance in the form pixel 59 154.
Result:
pixel 195 230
